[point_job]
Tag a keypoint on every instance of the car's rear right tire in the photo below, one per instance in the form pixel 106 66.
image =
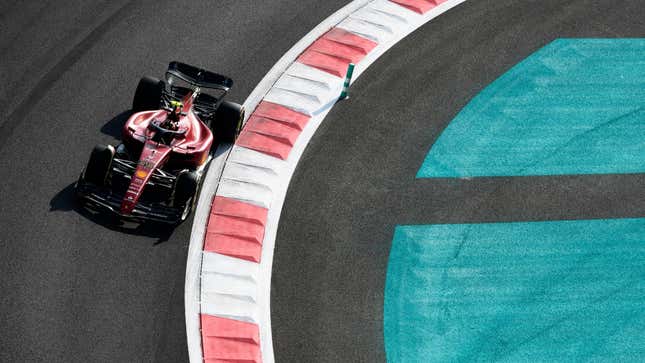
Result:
pixel 228 122
pixel 147 97
pixel 99 165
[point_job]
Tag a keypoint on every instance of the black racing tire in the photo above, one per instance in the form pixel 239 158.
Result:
pixel 185 196
pixel 99 166
pixel 228 122
pixel 147 97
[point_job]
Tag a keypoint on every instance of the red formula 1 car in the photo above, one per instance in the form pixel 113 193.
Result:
pixel 156 172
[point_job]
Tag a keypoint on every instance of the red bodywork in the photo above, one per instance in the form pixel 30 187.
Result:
pixel 188 151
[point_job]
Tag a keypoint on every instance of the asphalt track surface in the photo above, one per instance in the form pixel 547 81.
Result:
pixel 356 180
pixel 75 288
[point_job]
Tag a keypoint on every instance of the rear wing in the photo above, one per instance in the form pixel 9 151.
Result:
pixel 199 77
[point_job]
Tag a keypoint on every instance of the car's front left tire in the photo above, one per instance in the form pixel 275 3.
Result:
pixel 99 165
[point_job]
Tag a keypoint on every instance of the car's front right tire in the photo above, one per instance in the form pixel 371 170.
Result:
pixel 185 196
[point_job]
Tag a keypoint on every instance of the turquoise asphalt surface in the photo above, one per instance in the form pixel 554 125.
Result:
pixel 557 291
pixel 576 106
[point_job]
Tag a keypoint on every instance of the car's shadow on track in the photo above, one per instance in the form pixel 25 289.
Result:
pixel 114 127
pixel 66 201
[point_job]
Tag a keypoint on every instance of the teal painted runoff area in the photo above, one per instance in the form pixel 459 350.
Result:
pixel 574 107
pixel 561 291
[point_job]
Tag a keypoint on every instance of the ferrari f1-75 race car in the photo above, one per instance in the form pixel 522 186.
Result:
pixel 156 172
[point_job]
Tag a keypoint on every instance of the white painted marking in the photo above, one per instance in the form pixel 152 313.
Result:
pixel 384 20
pixel 366 29
pixel 303 103
pixel 247 191
pixel 246 156
pixel 305 89
pixel 229 287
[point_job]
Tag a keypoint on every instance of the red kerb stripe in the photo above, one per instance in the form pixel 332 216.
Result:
pixel 272 129
pixel 227 340
pixel 344 37
pixel 236 229
pixel 334 51
pixel 420 6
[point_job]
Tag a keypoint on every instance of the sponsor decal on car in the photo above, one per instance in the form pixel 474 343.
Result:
pixel 146 164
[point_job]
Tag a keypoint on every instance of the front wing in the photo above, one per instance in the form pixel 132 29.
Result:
pixel 103 199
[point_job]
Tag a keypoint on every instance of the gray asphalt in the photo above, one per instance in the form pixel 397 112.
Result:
pixel 74 288
pixel 356 180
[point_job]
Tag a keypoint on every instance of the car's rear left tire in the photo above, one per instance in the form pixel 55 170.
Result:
pixel 228 122
pixel 185 195
pixel 148 94
pixel 99 165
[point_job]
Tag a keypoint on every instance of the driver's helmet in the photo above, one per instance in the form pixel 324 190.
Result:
pixel 176 108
